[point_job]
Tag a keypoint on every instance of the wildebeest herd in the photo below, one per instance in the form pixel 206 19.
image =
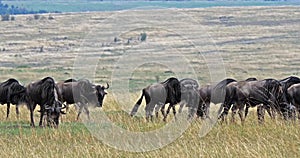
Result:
pixel 52 97
pixel 281 97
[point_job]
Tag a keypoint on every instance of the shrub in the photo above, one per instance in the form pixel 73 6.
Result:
pixel 143 36
pixel 12 18
pixel 5 17
pixel 36 16
pixel 50 17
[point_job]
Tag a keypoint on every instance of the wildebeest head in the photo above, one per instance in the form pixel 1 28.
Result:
pixel 189 92
pixel 100 93
pixel 53 114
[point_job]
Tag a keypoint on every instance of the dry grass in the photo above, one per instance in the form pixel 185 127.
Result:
pixel 257 42
pixel 72 139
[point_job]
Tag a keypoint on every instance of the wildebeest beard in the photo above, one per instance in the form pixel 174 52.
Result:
pixel 53 114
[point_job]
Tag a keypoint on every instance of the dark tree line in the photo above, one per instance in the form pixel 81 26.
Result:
pixel 13 10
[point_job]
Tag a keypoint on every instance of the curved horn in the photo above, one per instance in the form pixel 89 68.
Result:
pixel 107 86
pixel 64 106
pixel 47 108
pixel 60 108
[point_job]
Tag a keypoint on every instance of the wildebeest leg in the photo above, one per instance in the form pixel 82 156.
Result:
pixel 67 107
pixel 247 110
pixel 31 108
pixel 241 111
pixel 7 110
pixel 200 111
pixel 207 108
pixel 168 111
pixel 42 115
pixel 222 112
pixel 298 109
pixel 79 111
pixel 174 111
pixel 151 111
pixel 17 111
pixel 181 105
pixel 158 106
pixel 268 108
pixel 260 114
pixel 233 112
pixel 148 109
pixel 293 113
pixel 162 109
pixel 87 112
pixel 192 112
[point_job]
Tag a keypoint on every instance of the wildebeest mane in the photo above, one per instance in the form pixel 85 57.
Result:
pixel 218 92
pixel 70 80
pixel 46 89
pixel 17 88
pixel 287 82
pixel 172 87
pixel 224 83
pixel 9 81
pixel 251 79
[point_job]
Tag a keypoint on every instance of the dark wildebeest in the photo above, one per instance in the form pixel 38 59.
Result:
pixel 189 96
pixel 287 83
pixel 267 92
pixel 12 92
pixel 230 94
pixel 44 93
pixel 159 94
pixel 293 95
pixel 212 94
pixel 82 93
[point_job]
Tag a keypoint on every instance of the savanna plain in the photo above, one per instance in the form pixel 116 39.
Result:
pixel 141 47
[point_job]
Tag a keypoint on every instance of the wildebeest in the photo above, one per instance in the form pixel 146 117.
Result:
pixel 230 97
pixel 12 92
pixel 251 93
pixel 212 94
pixel 81 92
pixel 293 94
pixel 189 95
pixel 44 93
pixel 159 94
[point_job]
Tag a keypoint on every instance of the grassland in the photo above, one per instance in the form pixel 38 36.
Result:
pixel 257 42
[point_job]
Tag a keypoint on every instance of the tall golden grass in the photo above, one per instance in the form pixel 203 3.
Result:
pixel 275 138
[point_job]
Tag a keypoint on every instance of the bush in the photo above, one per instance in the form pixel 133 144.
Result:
pixel 36 16
pixel 12 18
pixel 5 17
pixel 143 36
pixel 50 17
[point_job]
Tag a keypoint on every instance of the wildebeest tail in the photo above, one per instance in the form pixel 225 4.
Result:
pixel 137 104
